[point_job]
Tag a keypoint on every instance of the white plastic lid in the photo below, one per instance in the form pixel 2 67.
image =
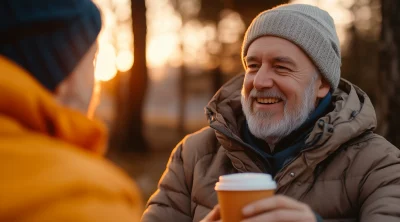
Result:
pixel 245 181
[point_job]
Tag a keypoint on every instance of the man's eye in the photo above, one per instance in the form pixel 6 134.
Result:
pixel 282 68
pixel 252 66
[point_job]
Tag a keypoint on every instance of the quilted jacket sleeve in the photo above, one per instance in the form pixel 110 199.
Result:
pixel 379 188
pixel 171 202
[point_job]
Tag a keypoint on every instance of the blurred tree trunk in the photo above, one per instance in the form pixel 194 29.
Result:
pixel 182 92
pixel 128 134
pixel 139 77
pixel 217 80
pixel 389 109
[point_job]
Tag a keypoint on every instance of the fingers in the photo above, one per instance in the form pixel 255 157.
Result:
pixel 213 216
pixel 277 202
pixel 285 215
pixel 216 215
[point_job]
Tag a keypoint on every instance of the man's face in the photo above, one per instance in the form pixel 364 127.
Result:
pixel 77 90
pixel 280 88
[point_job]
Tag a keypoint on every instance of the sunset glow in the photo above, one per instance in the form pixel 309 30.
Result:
pixel 124 60
pixel 170 42
pixel 105 64
pixel 161 48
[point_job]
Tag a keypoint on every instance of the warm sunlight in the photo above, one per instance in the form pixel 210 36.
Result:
pixel 115 41
pixel 165 32
pixel 105 64
pixel 116 45
pixel 124 60
pixel 161 48
pixel 230 27
pixel 193 41
pixel 163 39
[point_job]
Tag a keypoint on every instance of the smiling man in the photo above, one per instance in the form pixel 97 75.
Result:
pixel 289 115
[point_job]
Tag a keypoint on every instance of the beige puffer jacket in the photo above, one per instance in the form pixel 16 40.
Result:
pixel 346 173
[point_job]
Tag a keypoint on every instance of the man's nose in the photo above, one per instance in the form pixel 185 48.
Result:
pixel 264 78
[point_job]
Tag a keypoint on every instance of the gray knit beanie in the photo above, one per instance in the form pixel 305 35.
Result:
pixel 309 27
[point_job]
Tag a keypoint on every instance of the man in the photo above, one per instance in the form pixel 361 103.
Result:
pixel 291 116
pixel 51 162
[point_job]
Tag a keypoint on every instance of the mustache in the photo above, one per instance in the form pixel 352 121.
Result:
pixel 267 93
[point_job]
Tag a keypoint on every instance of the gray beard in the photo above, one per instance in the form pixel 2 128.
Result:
pixel 260 124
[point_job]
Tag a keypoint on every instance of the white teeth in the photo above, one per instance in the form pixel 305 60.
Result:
pixel 268 100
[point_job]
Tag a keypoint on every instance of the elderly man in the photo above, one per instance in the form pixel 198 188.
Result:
pixel 50 152
pixel 291 116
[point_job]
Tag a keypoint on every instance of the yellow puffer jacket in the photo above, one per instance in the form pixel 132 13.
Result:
pixel 51 164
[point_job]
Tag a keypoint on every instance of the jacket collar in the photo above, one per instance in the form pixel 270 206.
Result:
pixel 352 115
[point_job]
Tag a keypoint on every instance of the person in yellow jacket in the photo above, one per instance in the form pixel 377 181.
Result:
pixel 51 163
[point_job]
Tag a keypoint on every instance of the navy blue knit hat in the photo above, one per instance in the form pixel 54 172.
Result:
pixel 48 37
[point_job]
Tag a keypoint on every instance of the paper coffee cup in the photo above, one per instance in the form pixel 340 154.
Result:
pixel 235 191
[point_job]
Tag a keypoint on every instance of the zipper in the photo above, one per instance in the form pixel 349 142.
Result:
pixel 308 148
pixel 292 160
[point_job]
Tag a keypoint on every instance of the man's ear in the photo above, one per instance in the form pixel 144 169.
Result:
pixel 323 87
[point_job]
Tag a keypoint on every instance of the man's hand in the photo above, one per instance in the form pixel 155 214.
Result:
pixel 278 208
pixel 213 216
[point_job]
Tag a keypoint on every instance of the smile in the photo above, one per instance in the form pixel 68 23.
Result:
pixel 268 100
